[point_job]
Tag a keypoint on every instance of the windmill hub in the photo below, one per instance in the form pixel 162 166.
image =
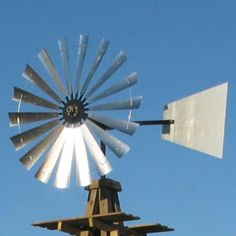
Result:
pixel 74 111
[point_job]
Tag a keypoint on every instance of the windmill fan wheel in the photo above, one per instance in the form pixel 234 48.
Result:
pixel 75 121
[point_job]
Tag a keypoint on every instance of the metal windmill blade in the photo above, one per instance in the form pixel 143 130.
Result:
pixel 70 133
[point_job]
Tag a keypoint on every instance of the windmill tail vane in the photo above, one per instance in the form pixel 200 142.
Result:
pixel 199 121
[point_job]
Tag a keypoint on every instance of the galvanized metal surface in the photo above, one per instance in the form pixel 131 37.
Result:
pixel 78 127
pixel 199 121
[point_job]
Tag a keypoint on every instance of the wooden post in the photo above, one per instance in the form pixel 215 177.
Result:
pixel 102 199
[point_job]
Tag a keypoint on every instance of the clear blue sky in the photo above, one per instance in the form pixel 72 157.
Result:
pixel 177 48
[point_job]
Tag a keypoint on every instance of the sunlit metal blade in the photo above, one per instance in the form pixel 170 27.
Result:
pixel 116 145
pixel 64 169
pixel 83 44
pixel 131 80
pixel 64 52
pixel 101 52
pixel 28 117
pixel 102 164
pixel 82 165
pixel 27 97
pixel 132 103
pixel 46 169
pixel 119 60
pixel 32 156
pixel 199 121
pixel 51 69
pixel 124 126
pixel 31 75
pixel 20 140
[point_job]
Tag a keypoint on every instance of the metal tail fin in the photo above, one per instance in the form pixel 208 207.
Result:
pixel 199 121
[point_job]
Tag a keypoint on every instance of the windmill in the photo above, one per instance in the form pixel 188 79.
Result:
pixel 76 123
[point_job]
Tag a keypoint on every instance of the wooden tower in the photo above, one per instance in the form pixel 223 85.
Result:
pixel 103 215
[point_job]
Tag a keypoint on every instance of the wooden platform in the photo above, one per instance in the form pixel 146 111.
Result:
pixel 106 223
pixel 103 216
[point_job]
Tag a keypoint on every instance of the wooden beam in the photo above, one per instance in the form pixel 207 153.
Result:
pixel 97 224
pixel 151 228
pixel 110 227
pixel 92 204
pixel 105 183
pixel 65 227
